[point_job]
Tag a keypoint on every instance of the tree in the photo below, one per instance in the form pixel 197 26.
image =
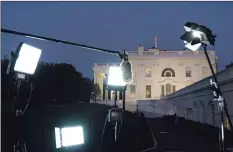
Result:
pixel 58 83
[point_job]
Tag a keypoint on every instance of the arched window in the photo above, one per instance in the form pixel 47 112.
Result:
pixel 168 72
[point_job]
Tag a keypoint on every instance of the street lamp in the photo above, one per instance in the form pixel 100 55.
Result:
pixel 196 36
pixel 23 62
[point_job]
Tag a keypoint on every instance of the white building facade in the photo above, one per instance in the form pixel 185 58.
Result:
pixel 157 73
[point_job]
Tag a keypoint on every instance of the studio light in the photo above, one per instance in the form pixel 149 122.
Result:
pixel 69 136
pixel 115 77
pixel 196 35
pixel 27 59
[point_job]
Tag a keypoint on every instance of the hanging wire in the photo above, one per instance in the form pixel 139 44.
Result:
pixel 29 99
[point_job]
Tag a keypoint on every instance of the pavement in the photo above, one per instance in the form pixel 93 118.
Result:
pixel 187 136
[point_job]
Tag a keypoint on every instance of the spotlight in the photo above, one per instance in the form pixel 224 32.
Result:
pixel 27 59
pixel 115 79
pixel 69 136
pixel 196 35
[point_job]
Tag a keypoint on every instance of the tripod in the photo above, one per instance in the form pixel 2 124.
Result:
pixel 19 145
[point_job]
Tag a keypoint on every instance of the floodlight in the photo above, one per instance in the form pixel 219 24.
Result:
pixel 69 136
pixel 115 77
pixel 27 60
pixel 196 35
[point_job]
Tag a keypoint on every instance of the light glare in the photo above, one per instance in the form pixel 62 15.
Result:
pixel 28 59
pixel 115 76
pixel 69 136
pixel 197 34
pixel 58 137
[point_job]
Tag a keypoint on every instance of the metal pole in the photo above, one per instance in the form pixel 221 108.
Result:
pixel 115 98
pixel 223 105
pixel 124 100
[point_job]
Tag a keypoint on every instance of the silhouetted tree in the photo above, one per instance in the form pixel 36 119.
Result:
pixel 58 83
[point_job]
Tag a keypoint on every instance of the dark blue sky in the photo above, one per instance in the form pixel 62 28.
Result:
pixel 113 25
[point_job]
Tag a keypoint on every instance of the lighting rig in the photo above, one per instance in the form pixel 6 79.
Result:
pixel 197 36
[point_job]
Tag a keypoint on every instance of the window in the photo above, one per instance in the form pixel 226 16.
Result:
pixel 174 88
pixel 162 90
pixel 132 88
pixel 148 72
pixel 168 88
pixel 148 91
pixel 168 74
pixel 188 72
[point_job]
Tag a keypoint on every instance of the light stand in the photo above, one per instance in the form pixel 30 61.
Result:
pixel 24 62
pixel 196 36
pixel 115 82
pixel 217 94
pixel 19 145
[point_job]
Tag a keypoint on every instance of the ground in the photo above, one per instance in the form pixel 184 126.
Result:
pixel 186 136
pixel 135 136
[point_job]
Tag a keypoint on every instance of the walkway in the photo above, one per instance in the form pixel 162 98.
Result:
pixel 186 136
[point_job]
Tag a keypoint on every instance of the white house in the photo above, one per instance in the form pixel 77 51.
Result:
pixel 158 72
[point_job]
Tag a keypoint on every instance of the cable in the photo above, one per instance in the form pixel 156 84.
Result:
pixel 119 131
pixel 29 99
pixel 104 130
pixel 60 41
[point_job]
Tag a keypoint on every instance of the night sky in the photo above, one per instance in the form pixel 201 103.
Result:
pixel 112 25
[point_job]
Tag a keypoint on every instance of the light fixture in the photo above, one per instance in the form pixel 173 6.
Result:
pixel 69 136
pixel 115 77
pixel 27 58
pixel 196 35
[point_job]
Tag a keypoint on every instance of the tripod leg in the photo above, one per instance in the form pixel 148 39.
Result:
pixel 25 148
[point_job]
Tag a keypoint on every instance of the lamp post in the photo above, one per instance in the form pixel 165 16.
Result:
pixel 196 36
